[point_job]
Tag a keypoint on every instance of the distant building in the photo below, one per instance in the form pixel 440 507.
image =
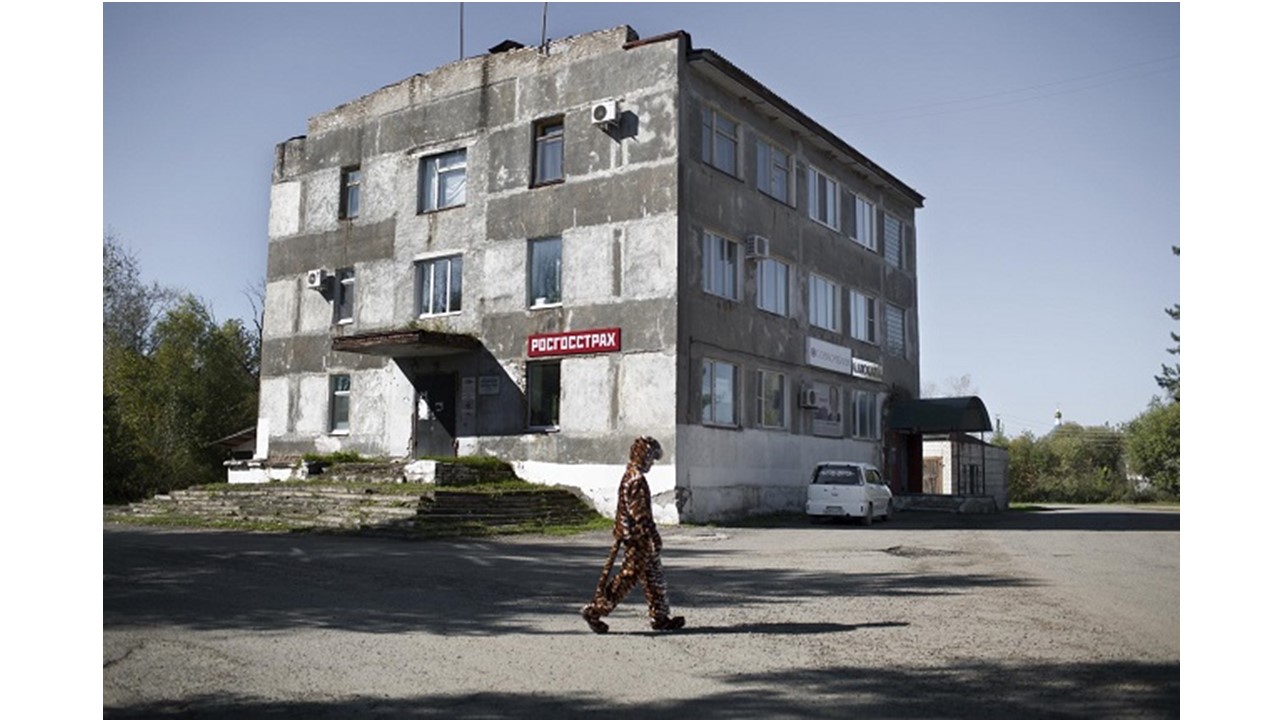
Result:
pixel 544 252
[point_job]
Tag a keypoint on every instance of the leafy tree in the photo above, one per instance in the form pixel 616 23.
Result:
pixel 1170 378
pixel 129 308
pixel 1153 446
pixel 1073 463
pixel 173 381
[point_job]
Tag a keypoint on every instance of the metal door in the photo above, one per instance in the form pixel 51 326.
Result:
pixel 435 425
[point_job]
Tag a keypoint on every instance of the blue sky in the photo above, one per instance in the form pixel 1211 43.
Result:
pixel 1044 137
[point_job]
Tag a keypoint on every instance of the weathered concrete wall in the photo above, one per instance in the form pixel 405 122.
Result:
pixel 740 333
pixel 630 212
pixel 726 474
pixel 615 211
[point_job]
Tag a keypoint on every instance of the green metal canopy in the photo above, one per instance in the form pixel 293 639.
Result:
pixel 940 415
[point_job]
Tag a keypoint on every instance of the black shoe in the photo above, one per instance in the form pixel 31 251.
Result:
pixel 668 623
pixel 598 626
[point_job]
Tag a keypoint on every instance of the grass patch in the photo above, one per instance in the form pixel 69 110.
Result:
pixel 482 462
pixel 335 458
pixel 205 523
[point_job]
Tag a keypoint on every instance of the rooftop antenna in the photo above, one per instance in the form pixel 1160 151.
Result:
pixel 460 55
pixel 543 44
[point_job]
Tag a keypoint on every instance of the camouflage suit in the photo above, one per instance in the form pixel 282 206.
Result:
pixel 634 530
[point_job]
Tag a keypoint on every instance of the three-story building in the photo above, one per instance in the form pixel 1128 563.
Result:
pixel 543 252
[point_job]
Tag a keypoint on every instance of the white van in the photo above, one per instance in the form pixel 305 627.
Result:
pixel 848 489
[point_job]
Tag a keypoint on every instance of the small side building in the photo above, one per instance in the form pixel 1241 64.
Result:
pixel 938 434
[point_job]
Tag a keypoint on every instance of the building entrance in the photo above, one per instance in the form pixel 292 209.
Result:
pixel 435 421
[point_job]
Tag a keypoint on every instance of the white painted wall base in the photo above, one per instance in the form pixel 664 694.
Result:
pixel 600 484
pixel 256 471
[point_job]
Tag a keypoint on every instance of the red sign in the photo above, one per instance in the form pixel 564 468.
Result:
pixel 581 342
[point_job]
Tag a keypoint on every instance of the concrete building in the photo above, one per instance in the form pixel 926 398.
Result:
pixel 543 252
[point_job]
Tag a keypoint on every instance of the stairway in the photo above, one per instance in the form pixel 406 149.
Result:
pixel 365 508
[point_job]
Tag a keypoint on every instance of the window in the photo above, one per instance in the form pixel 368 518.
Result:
pixel 719 393
pixel 773 171
pixel 771 400
pixel 866 415
pixel 349 199
pixel 344 299
pixel 720 266
pixel 863 308
pixel 824 303
pixel 893 240
pixel 440 285
pixel 824 199
pixel 544 272
pixel 339 403
pixel 864 223
pixel 719 141
pixel 895 330
pixel 828 421
pixel 543 390
pixel 548 151
pixel 442 181
pixel 772 286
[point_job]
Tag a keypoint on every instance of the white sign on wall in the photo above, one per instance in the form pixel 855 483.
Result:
pixel 828 356
pixel 867 369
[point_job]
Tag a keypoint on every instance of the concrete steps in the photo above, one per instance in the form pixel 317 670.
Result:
pixel 365 509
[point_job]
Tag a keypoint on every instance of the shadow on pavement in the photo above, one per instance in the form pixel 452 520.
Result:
pixel 959 690
pixel 1084 517
pixel 227 580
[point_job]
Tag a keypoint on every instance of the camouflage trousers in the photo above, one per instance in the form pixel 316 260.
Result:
pixel 639 565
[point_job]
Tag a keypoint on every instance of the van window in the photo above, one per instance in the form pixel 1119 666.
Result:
pixel 837 475
pixel 873 477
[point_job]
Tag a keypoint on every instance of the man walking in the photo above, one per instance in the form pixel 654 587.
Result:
pixel 634 528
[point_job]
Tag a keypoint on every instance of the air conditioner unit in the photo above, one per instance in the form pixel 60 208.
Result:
pixel 808 397
pixel 605 112
pixel 318 279
pixel 757 246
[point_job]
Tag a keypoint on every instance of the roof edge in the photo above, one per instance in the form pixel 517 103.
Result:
pixel 718 61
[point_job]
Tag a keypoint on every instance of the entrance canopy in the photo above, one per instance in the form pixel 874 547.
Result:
pixel 940 415
pixel 407 343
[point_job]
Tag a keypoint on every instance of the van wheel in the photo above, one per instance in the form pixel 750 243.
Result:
pixel 888 511
pixel 866 520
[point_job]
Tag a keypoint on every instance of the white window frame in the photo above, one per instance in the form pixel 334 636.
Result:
pixel 336 426
pixel 713 412
pixel 424 285
pixel 780 399
pixel 863 227
pixel 534 298
pixel 548 137
pixel 344 296
pixel 894 242
pixel 897 348
pixel 826 314
pixel 771 158
pixel 717 270
pixel 711 132
pixel 864 313
pixel 831 190
pixel 866 414
pixel 432 174
pixel 768 294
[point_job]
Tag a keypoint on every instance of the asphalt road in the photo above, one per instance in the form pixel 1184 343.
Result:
pixel 1071 612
